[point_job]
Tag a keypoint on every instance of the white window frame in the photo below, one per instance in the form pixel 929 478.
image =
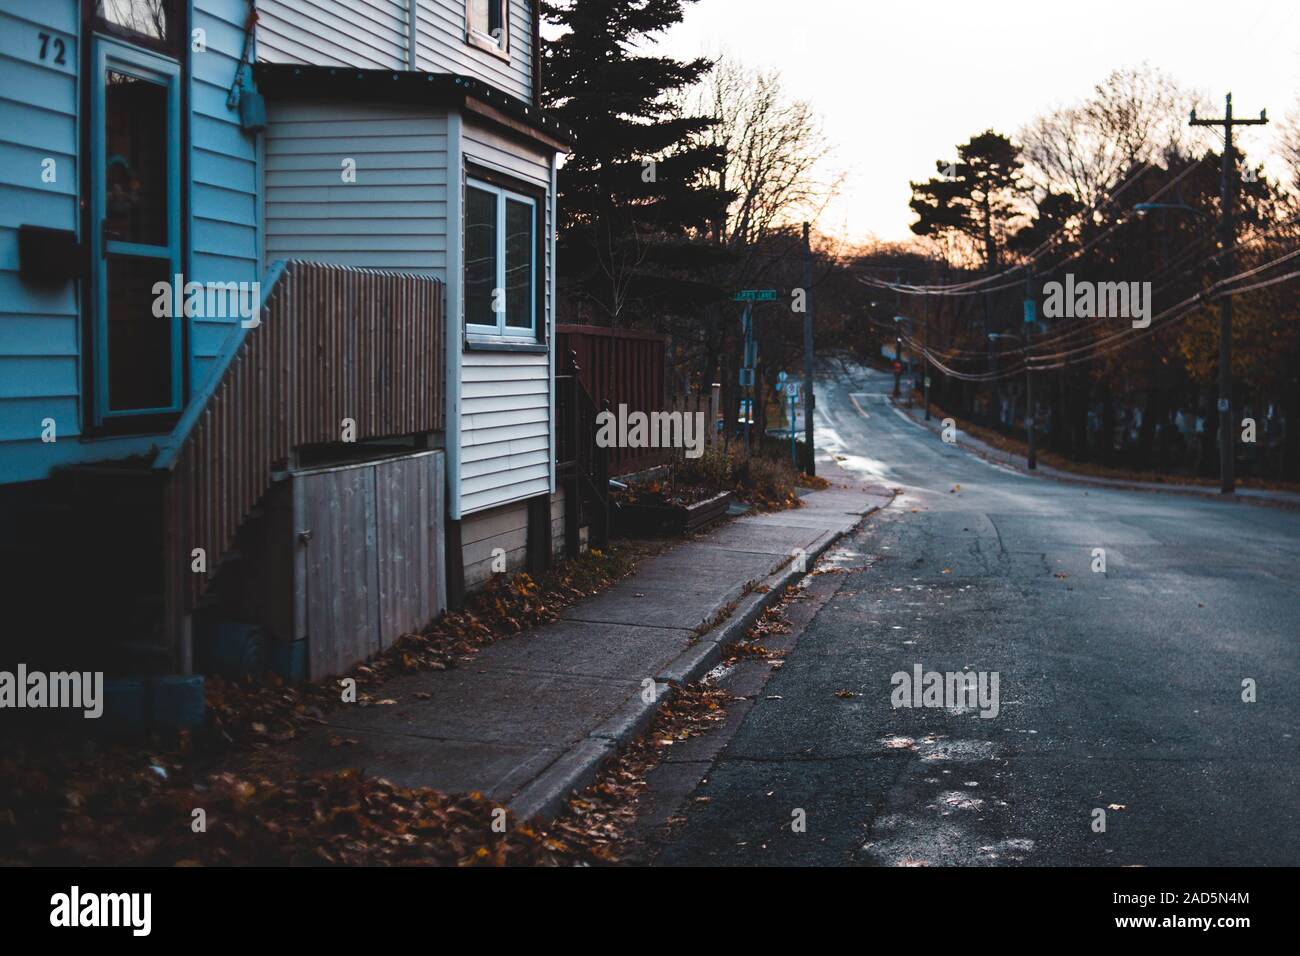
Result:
pixel 500 330
pixel 485 41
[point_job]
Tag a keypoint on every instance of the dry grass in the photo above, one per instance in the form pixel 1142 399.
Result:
pixel 758 476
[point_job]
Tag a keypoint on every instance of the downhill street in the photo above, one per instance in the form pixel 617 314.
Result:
pixel 1119 691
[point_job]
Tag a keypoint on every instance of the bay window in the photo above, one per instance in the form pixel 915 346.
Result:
pixel 500 261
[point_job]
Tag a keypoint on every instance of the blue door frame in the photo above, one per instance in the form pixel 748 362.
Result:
pixel 117 57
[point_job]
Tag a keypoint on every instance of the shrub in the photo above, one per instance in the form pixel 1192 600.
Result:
pixel 762 476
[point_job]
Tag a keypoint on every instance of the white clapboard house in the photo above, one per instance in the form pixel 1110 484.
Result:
pixel 276 320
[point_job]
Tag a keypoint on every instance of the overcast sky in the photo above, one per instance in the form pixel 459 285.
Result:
pixel 900 84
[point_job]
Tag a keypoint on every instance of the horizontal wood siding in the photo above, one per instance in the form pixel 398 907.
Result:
pixel 441 46
pixel 223 178
pixel 394 216
pixel 362 33
pixel 39 332
pixel 506 442
pixel 504 527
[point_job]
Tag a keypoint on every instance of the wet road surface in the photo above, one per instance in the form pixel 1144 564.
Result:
pixel 1118 691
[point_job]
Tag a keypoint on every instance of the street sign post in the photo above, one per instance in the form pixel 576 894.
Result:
pixel 755 295
pixel 749 356
pixel 792 393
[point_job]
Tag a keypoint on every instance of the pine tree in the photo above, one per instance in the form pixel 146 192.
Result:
pixel 975 198
pixel 635 186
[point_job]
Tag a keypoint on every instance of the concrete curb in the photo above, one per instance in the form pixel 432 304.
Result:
pixel 579 766
pixel 995 456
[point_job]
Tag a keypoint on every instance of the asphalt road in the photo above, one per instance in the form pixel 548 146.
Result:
pixel 1118 691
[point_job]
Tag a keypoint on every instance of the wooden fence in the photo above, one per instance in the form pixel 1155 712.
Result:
pixel 333 343
pixel 621 367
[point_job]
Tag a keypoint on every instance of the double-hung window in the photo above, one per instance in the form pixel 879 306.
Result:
pixel 500 261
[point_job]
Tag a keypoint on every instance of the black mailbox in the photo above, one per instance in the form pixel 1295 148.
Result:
pixel 49 256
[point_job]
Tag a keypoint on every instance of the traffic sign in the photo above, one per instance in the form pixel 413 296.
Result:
pixel 792 389
pixel 755 295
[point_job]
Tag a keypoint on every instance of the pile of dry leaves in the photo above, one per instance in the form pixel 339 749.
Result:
pixel 267 710
pixel 598 821
pixel 69 799
pixel 129 807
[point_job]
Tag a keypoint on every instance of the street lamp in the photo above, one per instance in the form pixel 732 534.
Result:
pixel 898 353
pixel 911 374
pixel 1144 207
pixel 1031 459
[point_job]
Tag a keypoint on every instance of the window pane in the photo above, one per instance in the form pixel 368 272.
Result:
pixel 487 17
pixel 480 256
pixel 150 19
pixel 135 159
pixel 139 344
pixel 519 264
pixel 479 19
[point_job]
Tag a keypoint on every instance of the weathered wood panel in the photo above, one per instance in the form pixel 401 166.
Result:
pixel 342 569
pixel 371 567
pixel 411 573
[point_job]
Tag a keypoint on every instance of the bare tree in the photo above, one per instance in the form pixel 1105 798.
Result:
pixel 1288 144
pixel 1134 115
pixel 775 152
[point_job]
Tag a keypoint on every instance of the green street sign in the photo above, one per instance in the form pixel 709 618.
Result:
pixel 755 295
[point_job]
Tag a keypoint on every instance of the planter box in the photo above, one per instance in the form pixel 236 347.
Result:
pixel 642 519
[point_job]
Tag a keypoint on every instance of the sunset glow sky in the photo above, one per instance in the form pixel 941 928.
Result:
pixel 899 84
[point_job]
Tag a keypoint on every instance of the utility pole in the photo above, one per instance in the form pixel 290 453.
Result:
pixel 1031 316
pixel 808 352
pixel 1228 238
pixel 925 356
pixel 898 334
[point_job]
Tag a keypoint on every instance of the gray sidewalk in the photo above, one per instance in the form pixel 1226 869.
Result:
pixel 533 716
pixel 1288 499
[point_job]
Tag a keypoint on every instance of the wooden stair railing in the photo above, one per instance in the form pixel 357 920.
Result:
pixel 333 343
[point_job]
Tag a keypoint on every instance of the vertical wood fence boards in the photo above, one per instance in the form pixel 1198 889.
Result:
pixel 373 566
pixel 623 367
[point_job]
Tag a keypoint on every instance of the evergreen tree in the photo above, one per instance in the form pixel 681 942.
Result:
pixel 635 186
pixel 975 198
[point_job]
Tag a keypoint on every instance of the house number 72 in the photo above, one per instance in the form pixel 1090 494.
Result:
pixel 60 48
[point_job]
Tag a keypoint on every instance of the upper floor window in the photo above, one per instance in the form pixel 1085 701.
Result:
pixel 489 25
